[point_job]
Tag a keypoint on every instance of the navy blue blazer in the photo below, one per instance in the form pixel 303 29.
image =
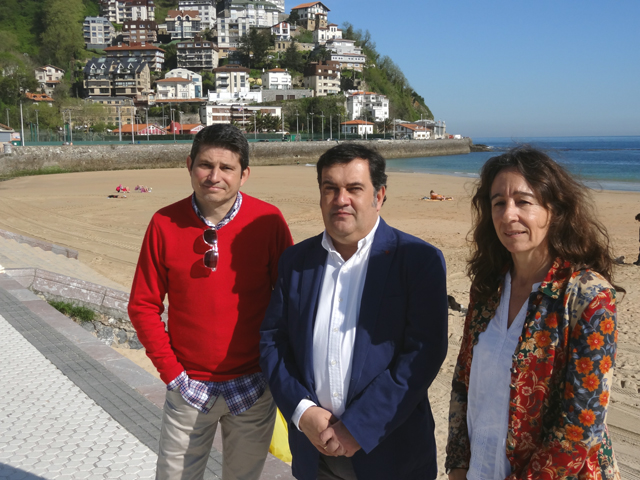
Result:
pixel 401 341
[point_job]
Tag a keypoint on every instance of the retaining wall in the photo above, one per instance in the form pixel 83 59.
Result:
pixel 81 158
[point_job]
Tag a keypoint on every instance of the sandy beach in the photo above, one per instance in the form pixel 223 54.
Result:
pixel 73 210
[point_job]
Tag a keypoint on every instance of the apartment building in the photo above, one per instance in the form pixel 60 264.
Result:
pixel 151 54
pixel 359 103
pixel 189 75
pixel 276 79
pixel 206 11
pixel 140 31
pixel 322 77
pixel 116 108
pixel 312 14
pixel 48 77
pixel 183 24
pixel 197 54
pixel 120 11
pixel 118 77
pixel 98 32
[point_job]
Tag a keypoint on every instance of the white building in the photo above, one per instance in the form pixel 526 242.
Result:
pixel 240 16
pixel 412 131
pixel 48 77
pixel 189 75
pixel 206 10
pixel 98 32
pixel 308 13
pixel 182 24
pixel 240 113
pixel 232 84
pixel 282 32
pixel 175 88
pixel 324 34
pixel 346 53
pixel 359 127
pixel 276 79
pixel 375 104
pixel 120 11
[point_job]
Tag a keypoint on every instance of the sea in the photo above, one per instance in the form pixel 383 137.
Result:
pixel 601 163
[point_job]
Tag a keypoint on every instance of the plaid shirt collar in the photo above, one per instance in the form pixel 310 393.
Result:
pixel 227 218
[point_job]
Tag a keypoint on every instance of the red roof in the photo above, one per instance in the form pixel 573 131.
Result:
pixel 356 122
pixel 140 127
pixel 175 80
pixel 183 13
pixel 38 97
pixel 310 4
pixel 133 46
pixel 277 70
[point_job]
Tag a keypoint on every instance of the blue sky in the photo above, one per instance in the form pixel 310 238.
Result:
pixel 513 68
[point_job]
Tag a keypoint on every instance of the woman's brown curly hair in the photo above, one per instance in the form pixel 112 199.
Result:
pixel 575 234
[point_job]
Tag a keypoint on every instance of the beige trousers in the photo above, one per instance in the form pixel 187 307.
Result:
pixel 187 436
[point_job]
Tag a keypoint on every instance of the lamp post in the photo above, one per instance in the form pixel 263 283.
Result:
pixel 312 135
pixel 119 124
pixel 180 112
pixel 322 116
pixel 255 134
pixel 339 125
pixel 163 125
pixel 297 114
pixel 70 129
pixel 21 126
pixel 330 127
pixel 9 124
pixel 133 125
pixel 146 110
pixel 171 110
pixel 37 126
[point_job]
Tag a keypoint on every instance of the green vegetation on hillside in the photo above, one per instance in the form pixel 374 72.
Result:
pixel 383 76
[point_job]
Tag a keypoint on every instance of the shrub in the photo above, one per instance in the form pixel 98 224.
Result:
pixel 83 314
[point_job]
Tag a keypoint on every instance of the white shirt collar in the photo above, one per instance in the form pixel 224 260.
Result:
pixel 327 242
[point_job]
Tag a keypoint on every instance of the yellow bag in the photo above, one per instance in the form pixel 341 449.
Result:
pixel 279 447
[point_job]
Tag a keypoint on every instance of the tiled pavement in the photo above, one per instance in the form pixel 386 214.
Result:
pixel 72 407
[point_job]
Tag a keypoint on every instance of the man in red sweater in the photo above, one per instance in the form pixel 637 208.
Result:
pixel 215 256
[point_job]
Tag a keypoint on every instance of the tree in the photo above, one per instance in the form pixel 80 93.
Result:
pixel 294 17
pixel 170 56
pixel 293 59
pixel 62 38
pixel 254 47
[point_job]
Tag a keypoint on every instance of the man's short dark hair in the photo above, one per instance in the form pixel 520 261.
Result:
pixel 346 153
pixel 224 136
pixel 638 217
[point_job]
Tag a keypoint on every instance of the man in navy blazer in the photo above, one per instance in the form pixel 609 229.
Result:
pixel 355 333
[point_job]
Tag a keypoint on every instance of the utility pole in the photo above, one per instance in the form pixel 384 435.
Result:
pixel 322 116
pixel 312 135
pixel 133 125
pixel 147 112
pixel 163 125
pixel 339 125
pixel 37 127
pixel 21 126
pixel 255 134
pixel 173 124
pixel 70 129
pixel 9 124
pixel 119 124
pixel 297 138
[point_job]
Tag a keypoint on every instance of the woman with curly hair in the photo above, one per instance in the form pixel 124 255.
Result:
pixel 531 386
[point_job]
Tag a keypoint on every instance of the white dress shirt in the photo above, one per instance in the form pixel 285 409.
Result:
pixel 489 392
pixel 334 331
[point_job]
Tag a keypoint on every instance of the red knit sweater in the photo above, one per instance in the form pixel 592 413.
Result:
pixel 214 317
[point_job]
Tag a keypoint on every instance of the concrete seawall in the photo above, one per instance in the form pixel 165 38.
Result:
pixel 80 158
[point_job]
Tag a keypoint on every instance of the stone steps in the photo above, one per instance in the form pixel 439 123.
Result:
pixel 22 255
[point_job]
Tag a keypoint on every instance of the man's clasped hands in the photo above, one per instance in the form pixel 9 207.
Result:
pixel 327 433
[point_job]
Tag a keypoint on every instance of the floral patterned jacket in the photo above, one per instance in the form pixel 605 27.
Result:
pixel 560 380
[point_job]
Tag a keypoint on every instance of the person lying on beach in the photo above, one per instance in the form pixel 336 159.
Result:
pixel 437 196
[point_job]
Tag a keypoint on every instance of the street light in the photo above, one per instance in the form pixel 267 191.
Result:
pixel 146 110
pixel 297 114
pixel 37 126
pixel 322 116
pixel 171 110
pixel 133 125
pixel 330 126
pixel 119 124
pixel 255 134
pixel 312 135
pixel 339 124
pixel 9 124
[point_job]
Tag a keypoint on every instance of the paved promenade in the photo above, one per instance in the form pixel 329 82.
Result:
pixel 74 408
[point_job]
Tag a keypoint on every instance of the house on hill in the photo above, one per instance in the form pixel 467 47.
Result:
pixel 312 14
pixel 183 24
pixel 49 77
pixel 375 104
